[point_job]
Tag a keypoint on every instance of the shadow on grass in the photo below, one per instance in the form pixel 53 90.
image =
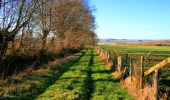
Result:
pixel 107 80
pixel 89 81
pixel 103 72
pixel 39 83
pixel 102 76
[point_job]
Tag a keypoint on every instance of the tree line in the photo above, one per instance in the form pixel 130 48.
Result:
pixel 45 25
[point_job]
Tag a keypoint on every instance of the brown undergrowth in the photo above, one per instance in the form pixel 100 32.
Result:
pixel 20 81
pixel 133 83
pixel 133 87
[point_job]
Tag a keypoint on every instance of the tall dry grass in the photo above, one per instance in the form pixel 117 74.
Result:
pixel 132 84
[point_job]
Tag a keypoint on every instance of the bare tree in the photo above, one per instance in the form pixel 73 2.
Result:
pixel 44 19
pixel 70 14
pixel 14 14
pixel 57 16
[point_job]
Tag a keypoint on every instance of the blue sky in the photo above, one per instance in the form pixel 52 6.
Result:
pixel 132 19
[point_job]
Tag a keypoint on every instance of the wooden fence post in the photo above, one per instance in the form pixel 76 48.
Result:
pixel 102 51
pixel 141 72
pixel 126 60
pixel 130 70
pixel 109 54
pixel 119 63
pixel 156 84
pixel 112 56
pixel 105 55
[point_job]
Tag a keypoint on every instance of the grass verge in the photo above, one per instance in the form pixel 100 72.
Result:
pixel 30 84
pixel 104 86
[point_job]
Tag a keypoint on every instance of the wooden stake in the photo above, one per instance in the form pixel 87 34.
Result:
pixel 109 54
pixel 141 72
pixel 119 63
pixel 155 84
pixel 126 59
pixel 113 57
pixel 130 70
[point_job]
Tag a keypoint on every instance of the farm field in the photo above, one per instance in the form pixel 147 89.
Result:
pixel 165 50
pixel 153 55
pixel 86 78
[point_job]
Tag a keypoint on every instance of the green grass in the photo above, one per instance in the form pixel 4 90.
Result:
pixel 140 49
pixel 72 84
pixel 35 84
pixel 85 78
pixel 104 86
pixel 154 54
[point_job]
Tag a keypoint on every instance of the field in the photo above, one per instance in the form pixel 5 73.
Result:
pixel 162 50
pixel 152 54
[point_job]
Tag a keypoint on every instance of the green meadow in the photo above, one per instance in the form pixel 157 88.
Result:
pixel 140 49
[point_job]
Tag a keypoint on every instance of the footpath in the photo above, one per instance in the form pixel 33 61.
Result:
pixel 88 79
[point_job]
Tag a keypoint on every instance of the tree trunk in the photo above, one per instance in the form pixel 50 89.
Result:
pixel 44 39
pixel 5 38
pixel 22 37
pixel 3 48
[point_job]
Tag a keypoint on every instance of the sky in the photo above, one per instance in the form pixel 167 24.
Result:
pixel 132 19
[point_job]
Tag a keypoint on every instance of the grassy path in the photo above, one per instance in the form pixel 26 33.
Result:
pixel 85 80
pixel 84 77
pixel 73 84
